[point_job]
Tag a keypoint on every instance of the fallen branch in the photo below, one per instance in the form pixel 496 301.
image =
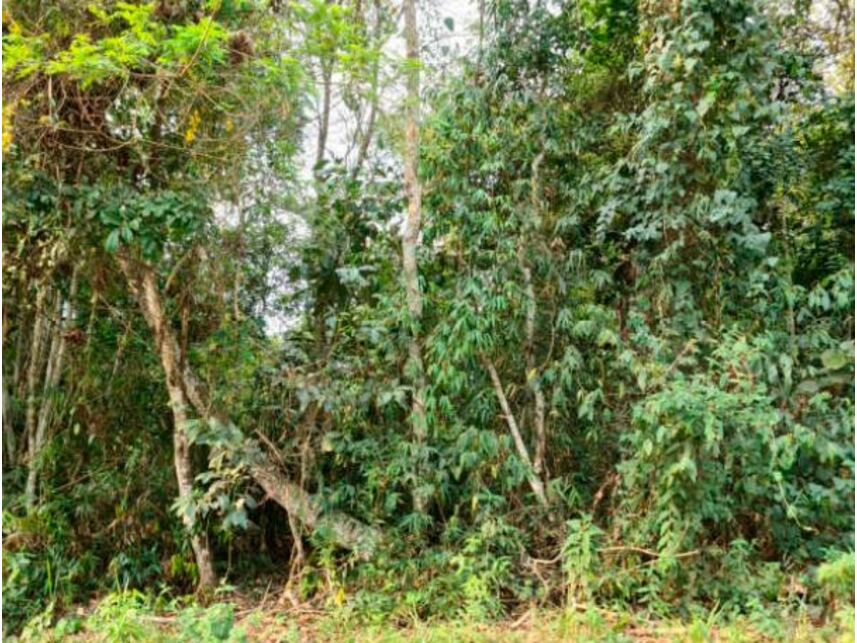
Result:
pixel 646 552
pixel 617 549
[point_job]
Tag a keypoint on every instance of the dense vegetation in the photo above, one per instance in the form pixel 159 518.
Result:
pixel 567 321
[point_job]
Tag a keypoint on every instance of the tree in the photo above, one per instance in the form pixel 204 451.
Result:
pixel 412 226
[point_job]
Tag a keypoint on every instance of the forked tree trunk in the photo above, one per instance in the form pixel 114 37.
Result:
pixel 411 234
pixel 186 391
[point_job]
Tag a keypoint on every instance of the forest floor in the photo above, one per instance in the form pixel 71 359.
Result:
pixel 538 626
pixel 242 618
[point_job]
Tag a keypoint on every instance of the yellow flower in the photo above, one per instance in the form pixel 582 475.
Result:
pixel 192 127
pixel 8 137
pixel 10 24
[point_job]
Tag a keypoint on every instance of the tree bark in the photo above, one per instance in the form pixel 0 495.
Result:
pixel 533 376
pixel 344 530
pixel 324 117
pixel 411 233
pixel 532 372
pixel 34 371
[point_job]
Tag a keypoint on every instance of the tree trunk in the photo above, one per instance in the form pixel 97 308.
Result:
pixel 34 370
pixel 143 286
pixel 533 376
pixel 366 141
pixel 53 375
pixel 324 117
pixel 344 530
pixel 185 390
pixel 411 234
pixel 10 451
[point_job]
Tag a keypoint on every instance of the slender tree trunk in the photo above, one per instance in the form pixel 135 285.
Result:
pixel 363 150
pixel 534 480
pixel 9 440
pixel 411 234
pixel 481 39
pixel 53 375
pixel 532 371
pixel 34 371
pixel 144 287
pixel 90 325
pixel 324 119
pixel 10 451
pixel 16 390
pixel 533 376
pixel 19 384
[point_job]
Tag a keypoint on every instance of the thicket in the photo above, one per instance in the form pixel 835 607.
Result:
pixel 630 380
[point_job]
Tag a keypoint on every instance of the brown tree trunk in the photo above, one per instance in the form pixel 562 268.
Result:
pixel 141 280
pixel 411 234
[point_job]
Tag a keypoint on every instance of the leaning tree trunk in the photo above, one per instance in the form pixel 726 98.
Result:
pixel 143 286
pixel 411 234
pixel 524 455
pixel 185 388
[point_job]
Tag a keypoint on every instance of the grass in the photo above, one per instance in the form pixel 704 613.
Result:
pixel 132 616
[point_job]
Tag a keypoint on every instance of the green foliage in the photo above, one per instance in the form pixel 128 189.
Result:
pixel 837 575
pixel 636 259
pixel 581 560
pixel 215 623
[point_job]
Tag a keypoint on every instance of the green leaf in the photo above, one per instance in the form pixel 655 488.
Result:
pixel 111 244
pixel 705 104
pixel 834 359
